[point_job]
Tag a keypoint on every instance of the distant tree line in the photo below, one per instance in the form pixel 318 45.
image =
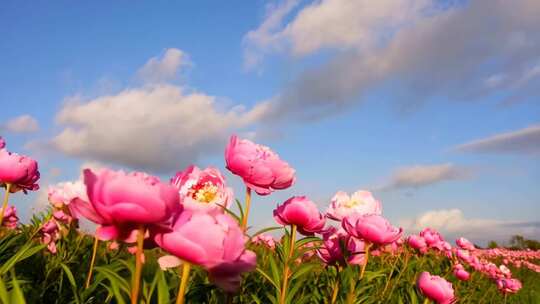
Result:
pixel 518 242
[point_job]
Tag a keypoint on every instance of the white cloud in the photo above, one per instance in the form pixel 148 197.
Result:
pixel 452 223
pixel 523 141
pixel 337 24
pixel 21 124
pixel 164 68
pixel 263 39
pixel 426 49
pixel 424 175
pixel 159 128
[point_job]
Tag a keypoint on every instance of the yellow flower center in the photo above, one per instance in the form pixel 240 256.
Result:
pixel 205 194
pixel 353 203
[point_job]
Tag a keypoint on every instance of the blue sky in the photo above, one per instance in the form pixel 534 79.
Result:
pixel 432 107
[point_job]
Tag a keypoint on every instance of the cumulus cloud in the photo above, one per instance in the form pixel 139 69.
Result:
pixel 21 124
pixel 426 49
pixel 524 141
pixel 159 128
pixel 163 68
pixel 424 175
pixel 452 223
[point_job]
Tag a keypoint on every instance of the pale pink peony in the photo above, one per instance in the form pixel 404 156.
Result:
pixel 300 211
pixel 463 243
pixel 436 288
pixel 261 168
pixel 372 228
pixel 360 202
pixel 63 193
pixel 265 240
pixel 121 202
pixel 214 241
pixel 19 171
pixel 203 190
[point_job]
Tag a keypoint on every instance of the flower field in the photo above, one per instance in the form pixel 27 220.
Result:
pixel 188 240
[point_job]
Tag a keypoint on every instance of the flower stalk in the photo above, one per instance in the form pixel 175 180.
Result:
pixel 4 204
pixel 136 280
pixel 92 262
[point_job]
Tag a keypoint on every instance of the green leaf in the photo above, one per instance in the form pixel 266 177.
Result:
pixel 266 276
pixel 25 252
pixel 72 281
pixel 17 296
pixel 163 288
pixel 4 295
pixel 266 230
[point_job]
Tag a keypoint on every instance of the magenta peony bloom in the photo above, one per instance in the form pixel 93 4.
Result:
pixel 372 228
pixel 300 211
pixel 2 143
pixel 436 288
pixel 261 168
pixel 418 243
pixel 203 190
pixel 460 273
pixel 19 171
pixel 214 241
pixel 360 202
pixel 121 202
pixel 10 218
pixel 463 243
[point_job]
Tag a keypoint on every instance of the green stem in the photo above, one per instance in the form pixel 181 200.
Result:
pixel 92 262
pixel 186 267
pixel 426 300
pixel 407 256
pixel 283 293
pixel 136 280
pixel 336 286
pixel 4 205
pixel 389 277
pixel 246 211
pixel 368 245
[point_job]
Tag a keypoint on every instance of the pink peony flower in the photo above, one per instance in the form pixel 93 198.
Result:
pixel 10 218
pixel 203 190
pixel 372 228
pixel 360 202
pixel 261 168
pixel 463 243
pixel 265 240
pixel 509 285
pixel 334 242
pixel 19 171
pixel 2 143
pixel 49 235
pixel 219 246
pixel 120 202
pixel 300 211
pixel 436 288
pixel 418 243
pixel 460 273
